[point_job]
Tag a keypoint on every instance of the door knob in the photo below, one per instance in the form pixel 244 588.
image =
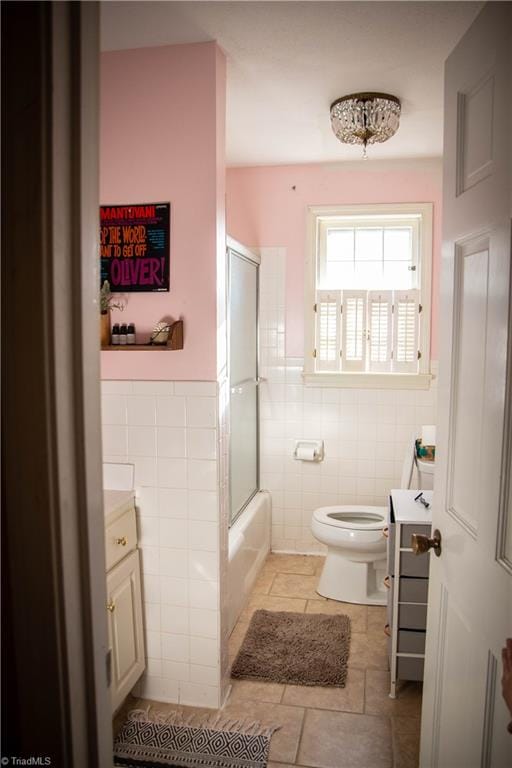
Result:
pixel 421 543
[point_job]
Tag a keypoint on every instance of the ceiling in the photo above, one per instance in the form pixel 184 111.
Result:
pixel 287 61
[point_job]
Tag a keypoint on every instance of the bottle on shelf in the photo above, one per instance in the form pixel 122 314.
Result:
pixel 115 334
pixel 123 335
pixel 130 333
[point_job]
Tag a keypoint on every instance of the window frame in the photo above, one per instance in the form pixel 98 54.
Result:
pixel 317 219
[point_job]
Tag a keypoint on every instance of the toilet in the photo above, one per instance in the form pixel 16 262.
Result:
pixel 355 565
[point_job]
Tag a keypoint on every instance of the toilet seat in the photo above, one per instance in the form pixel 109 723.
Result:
pixel 354 517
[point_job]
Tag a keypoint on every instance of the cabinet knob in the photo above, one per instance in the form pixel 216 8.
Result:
pixel 385 532
pixel 386 582
pixel 421 543
pixel 111 606
pixel 387 630
pixel 123 541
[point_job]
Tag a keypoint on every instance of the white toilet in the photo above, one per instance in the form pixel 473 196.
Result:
pixel 355 565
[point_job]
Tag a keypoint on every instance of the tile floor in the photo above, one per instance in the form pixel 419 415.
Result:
pixel 358 726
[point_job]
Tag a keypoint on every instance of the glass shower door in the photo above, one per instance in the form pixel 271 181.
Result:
pixel 243 379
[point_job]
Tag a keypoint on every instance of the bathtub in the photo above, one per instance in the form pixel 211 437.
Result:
pixel 249 544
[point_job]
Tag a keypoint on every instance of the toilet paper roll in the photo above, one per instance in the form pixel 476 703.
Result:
pixel 428 435
pixel 305 452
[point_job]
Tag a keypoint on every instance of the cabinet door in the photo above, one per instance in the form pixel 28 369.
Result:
pixel 124 603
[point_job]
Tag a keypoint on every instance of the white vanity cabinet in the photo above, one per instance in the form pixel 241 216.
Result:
pixel 408 586
pixel 124 598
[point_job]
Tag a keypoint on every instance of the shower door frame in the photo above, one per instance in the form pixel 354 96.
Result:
pixel 244 253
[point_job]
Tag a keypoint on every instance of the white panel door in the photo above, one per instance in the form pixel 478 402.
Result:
pixel 470 598
pixel 124 603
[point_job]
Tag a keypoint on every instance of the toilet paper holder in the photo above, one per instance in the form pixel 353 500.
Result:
pixel 309 450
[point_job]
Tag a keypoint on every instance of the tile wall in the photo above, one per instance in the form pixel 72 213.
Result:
pixel 168 430
pixel 365 431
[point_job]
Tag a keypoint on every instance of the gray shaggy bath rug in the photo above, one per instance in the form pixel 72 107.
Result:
pixel 295 648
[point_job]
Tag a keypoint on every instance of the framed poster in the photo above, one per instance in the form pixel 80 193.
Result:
pixel 135 247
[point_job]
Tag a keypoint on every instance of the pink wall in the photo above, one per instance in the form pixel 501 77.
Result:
pixel 162 139
pixel 266 206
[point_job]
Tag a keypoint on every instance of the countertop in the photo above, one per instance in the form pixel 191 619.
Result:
pixel 406 510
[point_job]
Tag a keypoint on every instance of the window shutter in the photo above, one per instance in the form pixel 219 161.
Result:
pixel 354 330
pixel 406 331
pixel 328 312
pixel 380 328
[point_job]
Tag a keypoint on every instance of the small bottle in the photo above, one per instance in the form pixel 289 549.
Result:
pixel 122 335
pixel 130 333
pixel 115 334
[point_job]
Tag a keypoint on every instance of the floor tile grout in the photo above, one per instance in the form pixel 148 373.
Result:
pixel 368 645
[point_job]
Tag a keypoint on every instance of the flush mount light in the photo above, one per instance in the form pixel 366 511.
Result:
pixel 365 118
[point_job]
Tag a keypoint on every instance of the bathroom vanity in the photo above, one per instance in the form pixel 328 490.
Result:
pixel 407 581
pixel 124 599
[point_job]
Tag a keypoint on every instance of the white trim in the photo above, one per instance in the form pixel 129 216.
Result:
pixel 242 250
pixel 369 380
pixel 314 216
pixel 354 365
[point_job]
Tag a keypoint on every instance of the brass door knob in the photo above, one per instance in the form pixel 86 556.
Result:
pixel 385 532
pixel 111 606
pixel 421 543
pixel 123 541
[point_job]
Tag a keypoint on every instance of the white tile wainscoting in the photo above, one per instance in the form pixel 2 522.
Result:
pixel 168 430
pixel 365 431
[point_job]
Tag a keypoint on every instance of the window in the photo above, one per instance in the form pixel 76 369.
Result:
pixel 368 275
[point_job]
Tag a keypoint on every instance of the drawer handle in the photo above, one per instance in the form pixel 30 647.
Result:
pixel 111 606
pixel 123 541
pixel 387 630
pixel 386 583
pixel 385 532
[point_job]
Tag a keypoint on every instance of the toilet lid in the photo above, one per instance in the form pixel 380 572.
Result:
pixel 356 517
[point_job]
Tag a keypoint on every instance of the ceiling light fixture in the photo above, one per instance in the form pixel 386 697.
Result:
pixel 365 118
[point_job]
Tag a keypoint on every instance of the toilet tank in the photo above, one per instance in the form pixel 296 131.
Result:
pixel 424 474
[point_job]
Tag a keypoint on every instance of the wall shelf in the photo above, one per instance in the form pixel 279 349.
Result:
pixel 138 348
pixel 174 342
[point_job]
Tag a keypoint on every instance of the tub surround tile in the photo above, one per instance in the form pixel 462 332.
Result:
pixel 172 502
pixel 115 440
pixel 201 412
pixel 170 411
pixel 175 619
pixel 202 475
pixel 141 410
pixel 114 409
pixel 171 442
pixel 359 427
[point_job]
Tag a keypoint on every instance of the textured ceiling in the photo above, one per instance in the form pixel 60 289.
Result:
pixel 287 61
